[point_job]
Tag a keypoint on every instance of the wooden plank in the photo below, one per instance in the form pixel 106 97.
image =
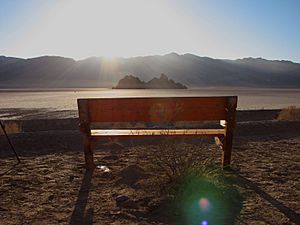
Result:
pixel 157 109
pixel 155 132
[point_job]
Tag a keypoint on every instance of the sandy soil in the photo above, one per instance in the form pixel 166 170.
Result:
pixel 51 185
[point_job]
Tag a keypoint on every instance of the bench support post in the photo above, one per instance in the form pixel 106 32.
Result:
pixel 88 141
pixel 89 146
pixel 227 148
pixel 229 128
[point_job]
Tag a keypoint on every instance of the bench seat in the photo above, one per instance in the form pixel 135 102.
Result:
pixel 156 132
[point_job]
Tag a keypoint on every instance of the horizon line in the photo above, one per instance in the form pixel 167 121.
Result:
pixel 150 55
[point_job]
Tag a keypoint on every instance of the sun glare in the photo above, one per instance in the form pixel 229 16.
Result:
pixel 110 28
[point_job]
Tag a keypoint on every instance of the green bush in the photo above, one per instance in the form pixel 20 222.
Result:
pixel 204 196
pixel 193 189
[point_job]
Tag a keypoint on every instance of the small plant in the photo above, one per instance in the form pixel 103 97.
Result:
pixel 204 196
pixel 171 159
pixel 289 113
pixel 193 190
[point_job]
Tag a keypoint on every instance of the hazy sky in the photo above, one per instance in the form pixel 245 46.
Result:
pixel 215 28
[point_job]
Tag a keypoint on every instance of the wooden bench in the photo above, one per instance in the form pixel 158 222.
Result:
pixel 130 113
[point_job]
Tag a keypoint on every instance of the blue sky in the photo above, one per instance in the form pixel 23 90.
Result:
pixel 215 28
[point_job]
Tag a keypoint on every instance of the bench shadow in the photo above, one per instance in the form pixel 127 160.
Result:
pixel 81 216
pixel 289 213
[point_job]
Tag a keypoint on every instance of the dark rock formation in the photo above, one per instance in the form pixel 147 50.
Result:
pixel 129 82
pixel 163 82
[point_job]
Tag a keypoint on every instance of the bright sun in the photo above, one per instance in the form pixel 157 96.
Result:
pixel 111 28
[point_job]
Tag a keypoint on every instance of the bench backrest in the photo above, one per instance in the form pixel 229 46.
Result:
pixel 162 109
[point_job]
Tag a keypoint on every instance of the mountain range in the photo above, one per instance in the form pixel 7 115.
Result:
pixel 191 70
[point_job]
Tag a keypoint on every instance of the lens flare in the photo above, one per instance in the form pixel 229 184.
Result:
pixel 204 204
pixel 204 222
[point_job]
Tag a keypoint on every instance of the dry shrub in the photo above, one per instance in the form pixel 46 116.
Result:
pixel 188 179
pixel 171 159
pixel 289 113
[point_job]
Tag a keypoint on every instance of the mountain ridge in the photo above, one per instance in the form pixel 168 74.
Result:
pixel 188 69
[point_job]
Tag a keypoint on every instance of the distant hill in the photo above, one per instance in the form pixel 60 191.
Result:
pixel 163 82
pixel 188 69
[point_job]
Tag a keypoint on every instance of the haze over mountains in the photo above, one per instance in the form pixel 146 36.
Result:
pixel 190 70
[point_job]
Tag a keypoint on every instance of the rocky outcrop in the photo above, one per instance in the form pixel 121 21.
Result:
pixel 130 82
pixel 163 82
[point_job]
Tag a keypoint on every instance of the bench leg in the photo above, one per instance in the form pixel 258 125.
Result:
pixel 89 146
pixel 230 128
pixel 227 148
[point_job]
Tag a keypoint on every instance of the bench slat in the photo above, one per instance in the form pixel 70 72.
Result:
pixel 156 132
pixel 157 109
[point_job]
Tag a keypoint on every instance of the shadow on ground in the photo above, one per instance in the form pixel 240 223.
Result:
pixel 81 215
pixel 289 213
